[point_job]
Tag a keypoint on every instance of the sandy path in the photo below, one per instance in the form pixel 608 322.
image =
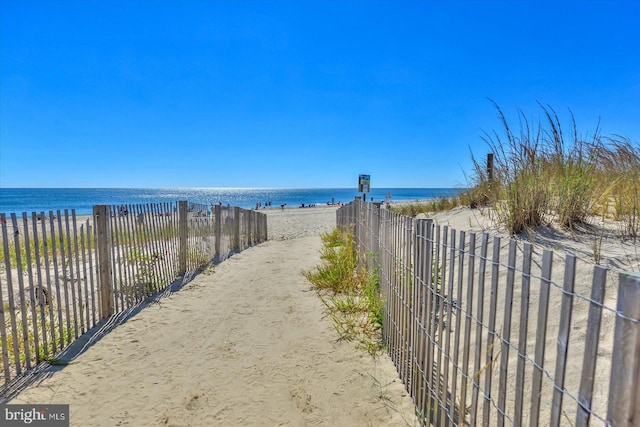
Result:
pixel 243 344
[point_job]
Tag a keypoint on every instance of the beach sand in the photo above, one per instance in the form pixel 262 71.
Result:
pixel 245 343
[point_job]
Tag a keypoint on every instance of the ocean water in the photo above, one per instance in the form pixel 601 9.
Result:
pixel 83 199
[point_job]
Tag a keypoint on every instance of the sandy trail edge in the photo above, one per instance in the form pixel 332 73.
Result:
pixel 244 344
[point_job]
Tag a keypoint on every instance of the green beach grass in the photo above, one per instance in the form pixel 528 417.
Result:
pixel 349 292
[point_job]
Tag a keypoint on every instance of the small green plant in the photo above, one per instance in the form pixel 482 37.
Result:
pixel 54 360
pixel 382 391
pixel 44 353
pixel 374 303
pixel 338 272
pixel 198 255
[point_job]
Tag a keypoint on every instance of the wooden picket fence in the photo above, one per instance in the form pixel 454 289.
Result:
pixel 61 274
pixel 488 333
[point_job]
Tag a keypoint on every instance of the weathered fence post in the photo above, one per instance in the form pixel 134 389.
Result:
pixel 624 388
pixel 490 177
pixel 375 236
pixel 362 232
pixel 356 227
pixel 250 235
pixel 183 229
pixel 218 228
pixel 266 228
pixel 490 169
pixel 352 215
pixel 236 228
pixel 101 215
pixel 264 232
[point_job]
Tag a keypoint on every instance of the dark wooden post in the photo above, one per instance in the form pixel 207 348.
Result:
pixel 183 232
pixel 218 228
pixel 490 167
pixel 236 228
pixel 250 228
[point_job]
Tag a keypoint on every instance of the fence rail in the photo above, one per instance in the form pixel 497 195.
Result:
pixel 61 274
pixel 486 332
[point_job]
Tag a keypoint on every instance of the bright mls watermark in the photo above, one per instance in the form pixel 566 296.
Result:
pixel 34 415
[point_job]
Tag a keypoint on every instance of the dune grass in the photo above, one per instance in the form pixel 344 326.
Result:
pixel 349 292
pixel 544 174
pixel 428 206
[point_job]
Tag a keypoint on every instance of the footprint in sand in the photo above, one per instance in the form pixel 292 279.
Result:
pixel 194 401
pixel 302 399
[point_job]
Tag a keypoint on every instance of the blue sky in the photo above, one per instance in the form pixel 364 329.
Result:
pixel 297 93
